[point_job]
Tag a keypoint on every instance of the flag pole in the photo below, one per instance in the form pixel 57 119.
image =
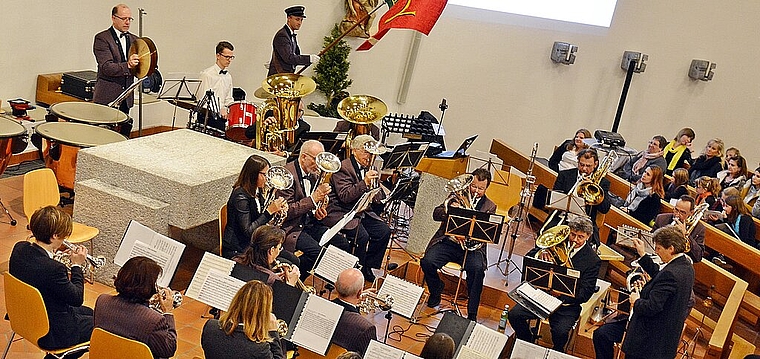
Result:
pixel 335 42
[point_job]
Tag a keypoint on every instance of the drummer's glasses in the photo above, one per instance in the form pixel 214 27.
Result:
pixel 125 19
pixel 227 57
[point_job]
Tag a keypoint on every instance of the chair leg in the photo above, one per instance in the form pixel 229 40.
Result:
pixel 8 346
pixel 459 285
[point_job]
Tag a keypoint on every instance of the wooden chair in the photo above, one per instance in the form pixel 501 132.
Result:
pixel 222 225
pixel 106 345
pixel 28 316
pixel 332 353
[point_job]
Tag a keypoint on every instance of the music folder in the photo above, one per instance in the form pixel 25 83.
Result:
pixel 474 225
pixel 475 337
pixel 311 319
pixel 538 302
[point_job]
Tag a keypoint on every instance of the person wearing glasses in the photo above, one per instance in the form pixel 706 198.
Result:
pixel 286 54
pixel 111 49
pixel 218 80
pixel 443 249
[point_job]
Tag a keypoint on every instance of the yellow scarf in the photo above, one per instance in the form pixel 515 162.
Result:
pixel 677 151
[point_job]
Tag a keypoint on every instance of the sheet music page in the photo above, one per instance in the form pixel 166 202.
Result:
pixel 334 261
pixel 486 341
pixel 525 350
pixel 540 297
pixel 411 356
pixel 377 350
pixel 405 295
pixel 316 324
pixel 209 261
pixel 365 200
pixel 153 244
pixel 559 200
pixel 327 236
pixel 142 249
pixel 469 353
pixel 218 289
pixel 553 354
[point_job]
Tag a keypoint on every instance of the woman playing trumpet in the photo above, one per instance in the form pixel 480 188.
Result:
pixel 259 260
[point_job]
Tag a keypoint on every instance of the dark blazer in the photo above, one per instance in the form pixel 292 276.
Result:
pixel 347 189
pixel 658 316
pixel 675 193
pixel 697 235
pixel 485 204
pixel 138 322
pixel 113 73
pixel 566 180
pixel 256 272
pixel 300 206
pixel 354 332
pixel 243 218
pixel 587 262
pixel 556 157
pixel 217 344
pixel 31 264
pixel 286 54
pixel 704 166
pixel 648 209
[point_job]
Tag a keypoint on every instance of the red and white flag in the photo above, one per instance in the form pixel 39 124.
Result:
pixel 419 15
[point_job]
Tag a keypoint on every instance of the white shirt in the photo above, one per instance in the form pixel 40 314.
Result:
pixel 122 41
pixel 221 84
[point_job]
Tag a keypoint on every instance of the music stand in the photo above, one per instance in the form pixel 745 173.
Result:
pixel 332 141
pixel 550 277
pixel 406 155
pixel 184 84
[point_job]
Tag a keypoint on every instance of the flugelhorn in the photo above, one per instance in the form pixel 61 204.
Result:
pixel 374 148
pixel 278 179
pixel 155 301
pixel 589 188
pixel 282 269
pixel 553 242
pixel 369 302
pixel 327 163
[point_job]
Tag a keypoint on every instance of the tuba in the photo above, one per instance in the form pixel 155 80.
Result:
pixel 375 148
pixel 591 192
pixel 361 111
pixel 553 241
pixel 278 179
pixel 327 163
pixel 287 90
pixel 459 188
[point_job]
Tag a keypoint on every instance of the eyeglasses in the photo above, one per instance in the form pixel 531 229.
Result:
pixel 227 57
pixel 125 19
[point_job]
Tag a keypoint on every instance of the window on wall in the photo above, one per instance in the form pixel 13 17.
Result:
pixel 590 12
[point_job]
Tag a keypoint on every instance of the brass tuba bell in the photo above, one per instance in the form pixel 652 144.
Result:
pixel 590 191
pixel 287 90
pixel 554 242
pixel 361 111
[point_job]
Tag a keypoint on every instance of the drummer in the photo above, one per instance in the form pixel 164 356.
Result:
pixel 111 48
pixel 217 79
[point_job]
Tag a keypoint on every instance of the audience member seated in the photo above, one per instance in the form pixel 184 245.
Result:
pixel 260 259
pixel 643 202
pixel 709 163
pixel 677 187
pixel 652 156
pixel 565 156
pixel 739 220
pixel 354 332
pixel 751 191
pixel 127 314
pixel 247 330
pixel 735 175
pixel 438 346
pixel 730 153
pixel 706 188
pixel 678 151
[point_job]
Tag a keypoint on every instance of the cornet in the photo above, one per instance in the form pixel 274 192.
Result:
pixel 282 269
pixel 369 302
pixel 92 263
pixel 155 301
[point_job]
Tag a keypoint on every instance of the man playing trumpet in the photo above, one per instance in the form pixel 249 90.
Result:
pixel 443 249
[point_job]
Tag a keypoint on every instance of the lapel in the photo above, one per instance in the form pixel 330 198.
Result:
pixel 357 169
pixel 117 42
pixel 300 177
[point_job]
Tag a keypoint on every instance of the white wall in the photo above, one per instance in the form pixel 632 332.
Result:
pixel 493 69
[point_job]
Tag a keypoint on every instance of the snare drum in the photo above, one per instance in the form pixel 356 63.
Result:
pixel 240 115
pixel 12 134
pixel 89 113
pixel 62 143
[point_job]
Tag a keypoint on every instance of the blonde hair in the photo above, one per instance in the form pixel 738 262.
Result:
pixel 250 307
pixel 680 177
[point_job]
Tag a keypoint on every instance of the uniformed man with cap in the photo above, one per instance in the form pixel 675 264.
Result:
pixel 286 54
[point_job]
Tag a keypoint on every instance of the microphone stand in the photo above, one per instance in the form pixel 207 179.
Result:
pixel 140 12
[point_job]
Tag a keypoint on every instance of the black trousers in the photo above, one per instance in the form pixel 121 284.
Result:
pixel 125 128
pixel 372 236
pixel 448 251
pixel 606 336
pixel 308 243
pixel 84 316
pixel 561 322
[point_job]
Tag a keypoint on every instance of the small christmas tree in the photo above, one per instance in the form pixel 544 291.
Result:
pixel 331 75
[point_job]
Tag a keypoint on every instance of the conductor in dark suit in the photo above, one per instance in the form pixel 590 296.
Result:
pixel 354 332
pixel 302 226
pixel 349 184
pixel 32 263
pixel 443 249
pixel 584 260
pixel 286 54
pixel 111 48
pixel 661 308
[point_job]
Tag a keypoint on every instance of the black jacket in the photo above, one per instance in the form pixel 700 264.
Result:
pixel 243 218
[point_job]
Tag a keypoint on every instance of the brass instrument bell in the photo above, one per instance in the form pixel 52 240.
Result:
pixel 591 192
pixel 554 241
pixel 286 91
pixel 361 111
pixel 327 163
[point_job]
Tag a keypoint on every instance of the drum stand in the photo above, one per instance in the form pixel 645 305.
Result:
pixel 13 221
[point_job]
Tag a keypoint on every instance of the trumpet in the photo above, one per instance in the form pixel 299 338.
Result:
pixel 369 302
pixel 92 262
pixel 155 301
pixel 375 148
pixel 282 328
pixel 328 164
pixel 282 269
pixel 692 221
pixel 278 179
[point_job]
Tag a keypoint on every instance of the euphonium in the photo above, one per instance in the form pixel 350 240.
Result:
pixel 591 192
pixel 155 301
pixel 692 221
pixel 282 269
pixel 287 90
pixel 375 148
pixel 554 242
pixel 369 302
pixel 327 163
pixel 361 111
pixel 459 189
pixel 92 263
pixel 278 179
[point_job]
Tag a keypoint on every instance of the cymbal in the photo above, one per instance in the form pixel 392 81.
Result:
pixel 262 94
pixel 187 105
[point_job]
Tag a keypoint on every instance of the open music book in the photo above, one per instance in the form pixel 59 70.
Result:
pixel 314 323
pixel 405 295
pixel 361 205
pixel 525 350
pixel 378 350
pixel 139 240
pixel 477 338
pixel 332 261
pixel 212 283
pixel 540 303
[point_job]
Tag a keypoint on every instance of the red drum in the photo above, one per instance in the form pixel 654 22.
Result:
pixel 11 135
pixel 241 114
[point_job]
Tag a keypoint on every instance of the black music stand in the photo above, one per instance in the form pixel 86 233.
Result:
pixel 333 141
pixel 406 155
pixel 550 277
pixel 183 92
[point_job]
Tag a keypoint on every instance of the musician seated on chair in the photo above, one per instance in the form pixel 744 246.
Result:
pixel 127 314
pixel 303 226
pixel 354 332
pixel 582 258
pixel 659 308
pixel 367 230
pixel 218 80
pixel 443 249
pixel 262 261
pixel 71 323
pixel 683 209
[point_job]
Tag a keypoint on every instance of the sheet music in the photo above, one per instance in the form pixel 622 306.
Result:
pixel 164 250
pixel 316 324
pixel 210 261
pixel 377 350
pixel 525 350
pixel 218 289
pixel 411 356
pixel 559 200
pixel 539 297
pixel 469 353
pixel 486 341
pixel 553 354
pixel 405 295
pixel 336 228
pixel 334 260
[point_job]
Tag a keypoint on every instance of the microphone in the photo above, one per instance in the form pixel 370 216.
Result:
pixel 443 106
